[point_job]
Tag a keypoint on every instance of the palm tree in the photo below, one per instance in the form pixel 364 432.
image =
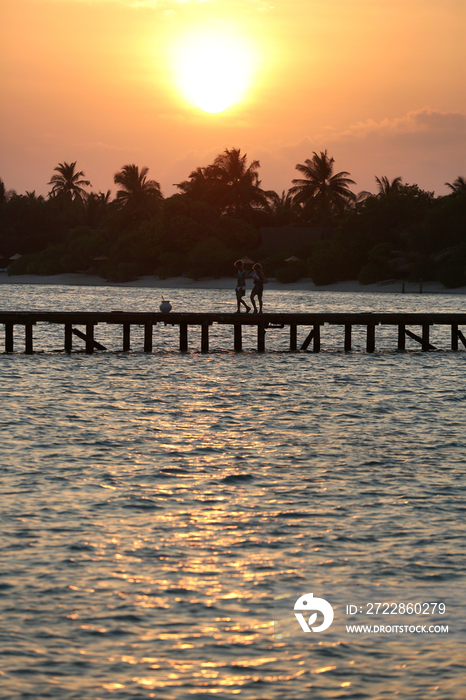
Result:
pixel 68 182
pixel 5 194
pixel 138 196
pixel 387 187
pixel 197 185
pixel 459 185
pixel 228 184
pixel 323 193
pixel 95 208
pixel 235 185
pixel 281 208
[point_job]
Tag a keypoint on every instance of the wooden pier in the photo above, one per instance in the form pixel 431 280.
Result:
pixel 311 326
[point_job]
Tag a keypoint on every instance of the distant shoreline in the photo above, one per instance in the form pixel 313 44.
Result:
pixel 305 284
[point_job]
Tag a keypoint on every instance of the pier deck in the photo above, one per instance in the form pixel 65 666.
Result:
pixel 314 324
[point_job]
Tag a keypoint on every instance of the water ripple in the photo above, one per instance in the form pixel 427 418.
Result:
pixel 152 506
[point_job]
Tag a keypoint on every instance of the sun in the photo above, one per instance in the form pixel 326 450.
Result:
pixel 213 71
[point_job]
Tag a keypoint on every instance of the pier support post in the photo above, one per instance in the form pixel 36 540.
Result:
pixel 238 337
pixel 454 337
pixel 425 336
pixel 370 337
pixel 183 337
pixel 401 337
pixel 260 337
pixel 316 347
pixel 126 337
pixel 205 337
pixel 348 329
pixel 89 338
pixel 28 338
pixel 68 337
pixel 293 337
pixel 8 337
pixel 148 337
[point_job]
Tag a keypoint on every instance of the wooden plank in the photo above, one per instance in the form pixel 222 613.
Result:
pixel 85 336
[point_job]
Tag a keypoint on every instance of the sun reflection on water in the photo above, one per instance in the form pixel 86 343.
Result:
pixel 166 497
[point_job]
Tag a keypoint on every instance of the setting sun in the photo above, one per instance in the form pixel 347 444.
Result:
pixel 213 70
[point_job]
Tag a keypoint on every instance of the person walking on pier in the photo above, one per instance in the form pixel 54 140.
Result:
pixel 241 286
pixel 259 279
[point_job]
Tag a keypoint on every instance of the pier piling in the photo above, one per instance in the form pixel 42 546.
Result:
pixel 68 337
pixel 370 345
pixel 9 337
pixel 28 333
pixel 261 337
pixel 126 337
pixel 205 337
pixel 348 328
pixel 148 337
pixel 183 337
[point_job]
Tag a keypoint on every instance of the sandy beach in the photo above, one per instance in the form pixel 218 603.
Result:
pixel 80 279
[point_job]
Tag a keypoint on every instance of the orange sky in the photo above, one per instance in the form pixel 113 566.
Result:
pixel 380 84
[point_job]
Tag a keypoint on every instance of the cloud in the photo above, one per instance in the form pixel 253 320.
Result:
pixel 425 146
pixel 425 123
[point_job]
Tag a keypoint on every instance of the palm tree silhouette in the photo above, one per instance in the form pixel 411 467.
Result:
pixel 323 193
pixel 282 209
pixel 387 187
pixel 236 186
pixel 458 185
pixel 95 208
pixel 228 184
pixel 197 185
pixel 5 194
pixel 68 182
pixel 137 195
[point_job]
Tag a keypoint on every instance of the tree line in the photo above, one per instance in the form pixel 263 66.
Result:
pixel 398 232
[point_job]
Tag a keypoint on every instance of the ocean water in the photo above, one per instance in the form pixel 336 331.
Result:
pixel 161 513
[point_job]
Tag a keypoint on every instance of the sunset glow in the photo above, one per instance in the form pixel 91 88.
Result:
pixel 170 84
pixel 213 71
